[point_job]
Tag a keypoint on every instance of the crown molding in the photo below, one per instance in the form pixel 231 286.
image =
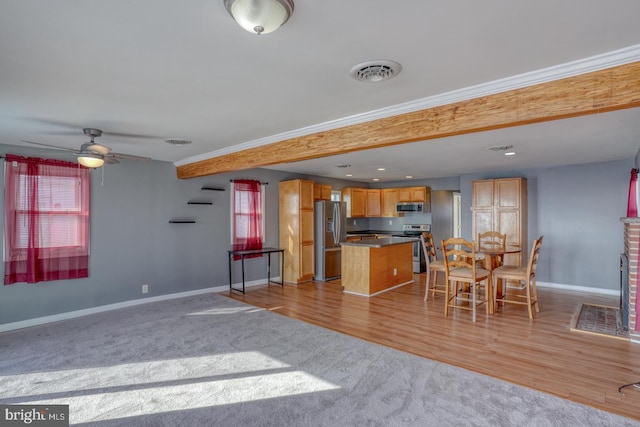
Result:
pixel 557 72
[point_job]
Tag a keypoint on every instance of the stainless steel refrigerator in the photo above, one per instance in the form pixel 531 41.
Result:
pixel 442 216
pixel 330 229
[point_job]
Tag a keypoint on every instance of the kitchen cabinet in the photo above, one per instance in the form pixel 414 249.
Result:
pixel 370 267
pixel 501 205
pixel 321 192
pixel 296 230
pixel 355 199
pixel 373 208
pixel 414 194
pixel 423 192
pixel 363 202
pixel 389 199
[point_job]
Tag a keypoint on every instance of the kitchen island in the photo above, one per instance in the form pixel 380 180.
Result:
pixel 372 266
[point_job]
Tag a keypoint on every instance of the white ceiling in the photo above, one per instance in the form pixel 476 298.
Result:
pixel 160 69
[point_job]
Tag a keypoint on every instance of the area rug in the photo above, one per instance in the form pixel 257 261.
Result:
pixel 599 320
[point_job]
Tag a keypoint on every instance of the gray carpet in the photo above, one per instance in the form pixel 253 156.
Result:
pixel 212 361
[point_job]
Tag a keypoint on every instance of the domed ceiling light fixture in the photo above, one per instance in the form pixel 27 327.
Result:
pixel 260 16
pixel 91 160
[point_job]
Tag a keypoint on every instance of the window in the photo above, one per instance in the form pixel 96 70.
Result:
pixel 46 229
pixel 247 218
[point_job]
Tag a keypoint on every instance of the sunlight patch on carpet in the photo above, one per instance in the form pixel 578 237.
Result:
pixel 146 401
pixel 225 310
pixel 136 389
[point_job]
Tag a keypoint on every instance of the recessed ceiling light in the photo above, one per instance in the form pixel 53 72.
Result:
pixel 408 176
pixel 381 169
pixel 376 179
pixel 510 153
pixel 349 174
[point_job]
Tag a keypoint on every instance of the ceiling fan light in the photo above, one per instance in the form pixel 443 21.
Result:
pixel 90 160
pixel 260 16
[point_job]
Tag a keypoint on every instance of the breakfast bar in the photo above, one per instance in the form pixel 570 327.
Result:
pixel 373 266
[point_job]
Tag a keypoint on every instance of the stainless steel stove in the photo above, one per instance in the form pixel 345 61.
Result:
pixel 414 231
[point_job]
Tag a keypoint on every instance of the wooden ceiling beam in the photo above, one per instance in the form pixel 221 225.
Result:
pixel 611 89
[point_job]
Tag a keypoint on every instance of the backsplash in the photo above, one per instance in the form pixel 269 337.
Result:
pixel 387 223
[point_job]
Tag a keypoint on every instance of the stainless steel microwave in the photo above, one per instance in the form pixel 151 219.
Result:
pixel 409 207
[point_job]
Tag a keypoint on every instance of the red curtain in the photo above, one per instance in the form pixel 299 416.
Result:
pixel 632 203
pixel 247 214
pixel 46 220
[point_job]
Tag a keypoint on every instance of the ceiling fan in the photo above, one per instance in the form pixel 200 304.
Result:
pixel 92 154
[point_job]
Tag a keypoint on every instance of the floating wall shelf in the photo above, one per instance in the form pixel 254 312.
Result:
pixel 196 202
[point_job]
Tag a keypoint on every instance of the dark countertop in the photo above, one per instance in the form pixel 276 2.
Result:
pixel 374 232
pixel 378 243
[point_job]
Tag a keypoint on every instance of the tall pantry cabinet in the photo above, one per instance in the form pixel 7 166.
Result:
pixel 296 230
pixel 501 205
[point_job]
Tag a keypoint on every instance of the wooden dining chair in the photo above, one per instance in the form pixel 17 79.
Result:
pixel 492 239
pixel 527 295
pixel 434 265
pixel 461 269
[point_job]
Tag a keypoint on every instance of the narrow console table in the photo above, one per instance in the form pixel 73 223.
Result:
pixel 249 253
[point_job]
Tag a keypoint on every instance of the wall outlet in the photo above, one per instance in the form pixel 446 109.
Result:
pixel 395 271
pixel 390 222
pixel 355 222
pixel 145 288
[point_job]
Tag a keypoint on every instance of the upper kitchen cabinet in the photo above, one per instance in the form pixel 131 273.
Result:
pixel 375 202
pixel 501 205
pixel 373 208
pixel 389 199
pixel 356 200
pixel 414 194
pixel 296 230
pixel 321 192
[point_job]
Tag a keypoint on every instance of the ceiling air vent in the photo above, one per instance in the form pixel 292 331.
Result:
pixel 501 147
pixel 375 71
pixel 177 141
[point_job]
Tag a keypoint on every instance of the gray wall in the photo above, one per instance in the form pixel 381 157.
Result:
pixel 132 242
pixel 577 208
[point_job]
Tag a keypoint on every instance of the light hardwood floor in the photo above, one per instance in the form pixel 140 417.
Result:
pixel 542 354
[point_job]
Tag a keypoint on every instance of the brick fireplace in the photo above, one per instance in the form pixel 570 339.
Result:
pixel 632 252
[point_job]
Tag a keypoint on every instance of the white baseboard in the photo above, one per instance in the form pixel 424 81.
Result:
pixel 93 310
pixel 599 291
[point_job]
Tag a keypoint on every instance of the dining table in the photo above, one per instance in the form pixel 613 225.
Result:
pixel 493 256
